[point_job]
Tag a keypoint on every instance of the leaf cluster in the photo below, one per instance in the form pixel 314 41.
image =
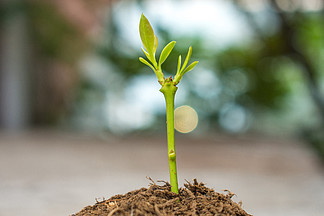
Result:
pixel 150 43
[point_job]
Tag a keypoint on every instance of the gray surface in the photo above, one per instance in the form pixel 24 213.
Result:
pixel 47 173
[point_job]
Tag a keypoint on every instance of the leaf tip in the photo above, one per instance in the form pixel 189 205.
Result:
pixel 142 16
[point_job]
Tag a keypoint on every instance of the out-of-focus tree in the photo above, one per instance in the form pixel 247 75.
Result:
pixel 57 45
pixel 292 37
pixel 58 33
pixel 298 36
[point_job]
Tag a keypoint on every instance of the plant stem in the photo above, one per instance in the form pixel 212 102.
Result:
pixel 169 89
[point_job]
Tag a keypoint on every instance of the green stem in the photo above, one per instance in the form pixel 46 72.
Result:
pixel 169 89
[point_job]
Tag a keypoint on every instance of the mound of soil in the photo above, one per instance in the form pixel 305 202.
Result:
pixel 193 199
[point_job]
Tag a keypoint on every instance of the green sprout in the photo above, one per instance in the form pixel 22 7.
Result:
pixel 169 86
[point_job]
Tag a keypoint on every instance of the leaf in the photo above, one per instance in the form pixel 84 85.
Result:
pixel 179 64
pixel 190 67
pixel 178 76
pixel 187 59
pixel 166 51
pixel 146 54
pixel 147 35
pixel 149 57
pixel 156 41
pixel 147 63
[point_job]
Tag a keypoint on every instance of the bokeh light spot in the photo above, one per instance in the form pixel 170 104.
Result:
pixel 185 119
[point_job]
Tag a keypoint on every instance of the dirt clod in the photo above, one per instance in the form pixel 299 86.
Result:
pixel 194 199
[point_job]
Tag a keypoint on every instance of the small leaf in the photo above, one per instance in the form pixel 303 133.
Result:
pixel 187 59
pixel 190 67
pixel 147 63
pixel 165 52
pixel 147 35
pixel 149 57
pixel 179 64
pixel 156 42
pixel 178 75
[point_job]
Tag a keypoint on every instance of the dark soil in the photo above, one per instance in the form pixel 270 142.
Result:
pixel 193 199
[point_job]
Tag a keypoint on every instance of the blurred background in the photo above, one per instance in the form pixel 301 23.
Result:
pixel 71 84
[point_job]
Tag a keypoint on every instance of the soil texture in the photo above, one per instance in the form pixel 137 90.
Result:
pixel 194 199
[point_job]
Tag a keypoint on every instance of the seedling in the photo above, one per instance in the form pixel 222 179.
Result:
pixel 169 86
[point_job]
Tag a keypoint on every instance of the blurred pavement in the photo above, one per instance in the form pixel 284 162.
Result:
pixel 52 173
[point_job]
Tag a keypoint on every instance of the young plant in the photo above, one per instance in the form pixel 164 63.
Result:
pixel 169 85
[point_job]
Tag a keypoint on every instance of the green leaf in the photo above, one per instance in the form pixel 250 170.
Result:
pixel 149 57
pixel 166 51
pixel 147 63
pixel 178 75
pixel 156 41
pixel 190 67
pixel 147 35
pixel 187 59
pixel 179 64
